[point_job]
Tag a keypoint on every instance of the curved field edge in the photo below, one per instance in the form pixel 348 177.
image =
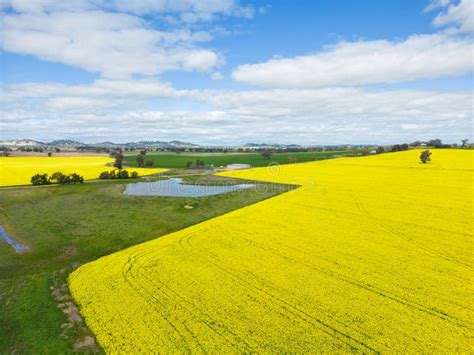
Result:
pixel 370 254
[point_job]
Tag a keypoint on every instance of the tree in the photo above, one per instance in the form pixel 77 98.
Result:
pixel 425 156
pixel 464 143
pixel 40 179
pixel 267 153
pixel 123 174
pixel 104 175
pixel 49 154
pixel 189 165
pixel 76 178
pixel 437 143
pixel 140 160
pixel 149 163
pixel 380 150
pixel 118 160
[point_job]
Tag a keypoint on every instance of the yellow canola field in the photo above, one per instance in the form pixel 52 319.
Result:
pixel 370 254
pixel 19 170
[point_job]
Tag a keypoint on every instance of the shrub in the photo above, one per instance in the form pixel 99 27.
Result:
pixel 122 174
pixel 40 179
pixel 134 175
pixel 104 175
pixel 149 163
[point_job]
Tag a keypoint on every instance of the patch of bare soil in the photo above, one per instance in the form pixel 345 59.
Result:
pixel 75 327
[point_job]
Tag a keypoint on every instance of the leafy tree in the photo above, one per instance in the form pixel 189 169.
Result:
pixel 267 153
pixel 40 179
pixel 104 175
pixel 437 143
pixel 122 174
pixel 380 150
pixel 76 178
pixel 140 160
pixel 50 154
pixel 189 165
pixel 464 143
pixel 118 160
pixel 425 156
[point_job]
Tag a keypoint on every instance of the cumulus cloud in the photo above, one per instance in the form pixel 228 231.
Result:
pixel 111 38
pixel 365 62
pixel 116 45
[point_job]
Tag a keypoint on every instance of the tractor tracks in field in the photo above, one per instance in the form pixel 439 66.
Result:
pixel 397 233
pixel 283 305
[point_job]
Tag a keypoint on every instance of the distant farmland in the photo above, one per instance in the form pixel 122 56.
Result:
pixel 370 254
pixel 173 160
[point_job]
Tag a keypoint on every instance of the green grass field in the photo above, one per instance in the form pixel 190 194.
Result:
pixel 173 160
pixel 69 225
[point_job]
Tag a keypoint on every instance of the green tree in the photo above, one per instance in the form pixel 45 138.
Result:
pixel 118 160
pixel 425 156
pixel 40 179
pixel 140 159
pixel 149 163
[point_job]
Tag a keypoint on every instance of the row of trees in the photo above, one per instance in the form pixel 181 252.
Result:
pixel 121 174
pixel 56 178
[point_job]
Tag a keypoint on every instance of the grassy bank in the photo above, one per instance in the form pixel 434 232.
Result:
pixel 173 160
pixel 69 225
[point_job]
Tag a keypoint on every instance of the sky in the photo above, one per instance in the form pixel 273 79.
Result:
pixel 229 72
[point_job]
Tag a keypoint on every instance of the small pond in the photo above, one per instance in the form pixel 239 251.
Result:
pixel 19 248
pixel 174 187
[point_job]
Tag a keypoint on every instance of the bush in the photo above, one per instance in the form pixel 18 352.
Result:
pixel 149 163
pixel 134 175
pixel 40 179
pixel 122 174
pixel 104 175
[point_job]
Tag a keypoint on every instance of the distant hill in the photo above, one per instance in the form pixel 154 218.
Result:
pixel 71 144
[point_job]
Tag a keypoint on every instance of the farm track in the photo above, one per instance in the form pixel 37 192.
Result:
pixel 337 265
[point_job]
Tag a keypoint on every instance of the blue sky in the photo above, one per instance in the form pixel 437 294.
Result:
pixel 229 72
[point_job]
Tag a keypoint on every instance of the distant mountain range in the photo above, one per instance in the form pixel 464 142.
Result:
pixel 67 143
pixel 262 145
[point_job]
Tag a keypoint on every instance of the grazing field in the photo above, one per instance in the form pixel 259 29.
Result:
pixel 173 160
pixel 370 254
pixel 19 170
pixel 69 225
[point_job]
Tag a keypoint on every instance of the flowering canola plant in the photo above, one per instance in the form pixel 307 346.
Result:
pixel 19 170
pixel 369 254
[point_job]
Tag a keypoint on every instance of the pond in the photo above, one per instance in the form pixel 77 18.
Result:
pixel 19 248
pixel 174 187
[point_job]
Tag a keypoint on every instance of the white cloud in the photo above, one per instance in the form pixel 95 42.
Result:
pixel 460 15
pixel 217 76
pixel 322 116
pixel 116 45
pixel 365 62
pixel 436 4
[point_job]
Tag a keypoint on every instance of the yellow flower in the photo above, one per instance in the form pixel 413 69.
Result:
pixel 19 170
pixel 369 254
